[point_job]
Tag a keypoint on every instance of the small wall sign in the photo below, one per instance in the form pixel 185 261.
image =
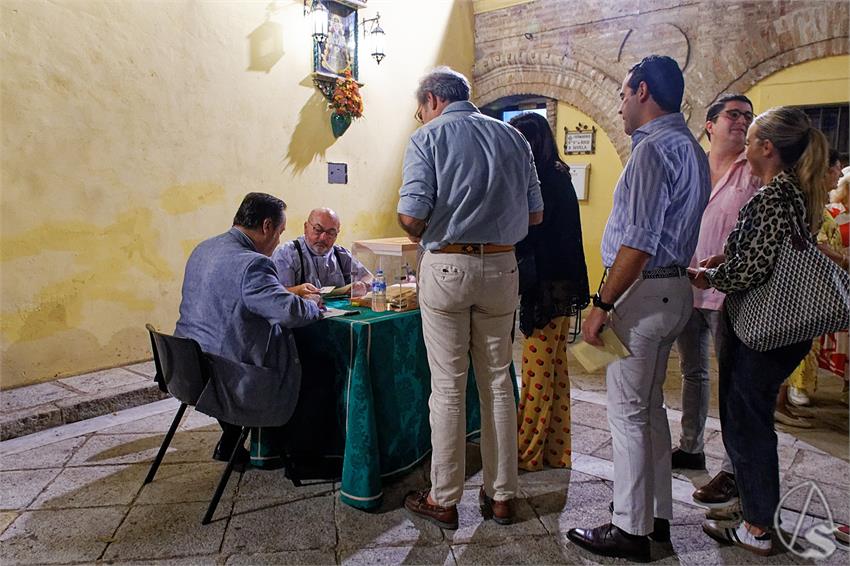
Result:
pixel 580 173
pixel 581 141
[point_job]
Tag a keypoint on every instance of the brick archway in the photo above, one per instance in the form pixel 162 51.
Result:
pixel 595 93
pixel 571 81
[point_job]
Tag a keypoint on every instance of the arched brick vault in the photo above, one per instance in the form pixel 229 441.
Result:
pixel 596 94
pixel 786 33
pixel 577 83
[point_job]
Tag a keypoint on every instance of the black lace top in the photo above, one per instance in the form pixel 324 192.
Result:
pixel 553 275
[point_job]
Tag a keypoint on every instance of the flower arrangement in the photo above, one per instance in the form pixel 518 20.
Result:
pixel 346 100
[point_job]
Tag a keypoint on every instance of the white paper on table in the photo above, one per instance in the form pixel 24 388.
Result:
pixel 331 291
pixel 593 357
pixel 332 312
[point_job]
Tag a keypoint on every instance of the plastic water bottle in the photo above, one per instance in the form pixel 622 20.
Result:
pixel 379 292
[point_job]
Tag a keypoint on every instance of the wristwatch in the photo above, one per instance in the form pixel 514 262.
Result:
pixel 599 303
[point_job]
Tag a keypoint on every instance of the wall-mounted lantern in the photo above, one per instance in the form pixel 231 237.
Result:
pixel 375 37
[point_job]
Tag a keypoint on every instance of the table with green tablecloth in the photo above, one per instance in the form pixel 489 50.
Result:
pixel 382 385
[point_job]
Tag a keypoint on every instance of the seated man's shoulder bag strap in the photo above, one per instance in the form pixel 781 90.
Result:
pixel 300 261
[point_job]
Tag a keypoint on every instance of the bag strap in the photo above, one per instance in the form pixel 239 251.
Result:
pixel 346 275
pixel 799 238
pixel 300 260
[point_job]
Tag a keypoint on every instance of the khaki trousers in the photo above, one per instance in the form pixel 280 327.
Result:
pixel 467 304
pixel 647 319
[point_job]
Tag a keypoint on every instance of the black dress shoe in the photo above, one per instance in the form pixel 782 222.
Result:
pixel 682 460
pixel 240 463
pixel 660 527
pixel 610 540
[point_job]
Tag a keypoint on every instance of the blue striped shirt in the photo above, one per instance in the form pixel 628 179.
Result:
pixel 660 196
pixel 471 177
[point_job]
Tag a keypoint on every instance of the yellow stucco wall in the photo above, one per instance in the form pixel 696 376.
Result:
pixel 823 81
pixel 130 132
pixel 481 6
pixel 605 168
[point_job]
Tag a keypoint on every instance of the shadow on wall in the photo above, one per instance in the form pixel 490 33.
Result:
pixel 456 32
pixel 265 46
pixel 312 135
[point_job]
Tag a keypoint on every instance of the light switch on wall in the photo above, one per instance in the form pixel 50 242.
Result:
pixel 338 173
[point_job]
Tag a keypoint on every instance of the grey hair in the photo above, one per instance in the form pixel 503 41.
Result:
pixel 443 82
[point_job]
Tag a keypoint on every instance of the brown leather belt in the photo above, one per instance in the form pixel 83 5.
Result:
pixel 474 249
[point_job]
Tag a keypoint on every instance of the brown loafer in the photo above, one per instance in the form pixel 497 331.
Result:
pixel 416 503
pixel 501 511
pixel 721 491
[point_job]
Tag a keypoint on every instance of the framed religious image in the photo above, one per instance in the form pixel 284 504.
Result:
pixel 581 141
pixel 338 52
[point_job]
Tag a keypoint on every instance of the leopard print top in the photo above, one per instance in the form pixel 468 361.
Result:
pixel 763 224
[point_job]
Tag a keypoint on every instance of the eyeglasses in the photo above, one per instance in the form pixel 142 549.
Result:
pixel 318 231
pixel 733 115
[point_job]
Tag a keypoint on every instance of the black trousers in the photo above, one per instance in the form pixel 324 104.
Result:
pixel 749 384
pixel 229 437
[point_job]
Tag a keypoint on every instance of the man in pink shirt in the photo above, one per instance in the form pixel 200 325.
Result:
pixel 733 184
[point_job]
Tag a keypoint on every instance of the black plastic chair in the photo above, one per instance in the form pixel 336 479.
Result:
pixel 184 371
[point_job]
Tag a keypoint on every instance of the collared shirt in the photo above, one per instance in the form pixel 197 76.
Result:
pixel 319 270
pixel 234 306
pixel 472 179
pixel 763 225
pixel 728 197
pixel 660 195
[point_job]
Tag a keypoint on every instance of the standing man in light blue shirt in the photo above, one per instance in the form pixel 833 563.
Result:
pixel 469 193
pixel 646 299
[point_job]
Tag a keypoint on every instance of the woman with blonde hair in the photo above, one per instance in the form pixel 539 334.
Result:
pixel 790 156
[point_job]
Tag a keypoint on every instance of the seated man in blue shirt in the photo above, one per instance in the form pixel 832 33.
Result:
pixel 234 306
pixel 312 261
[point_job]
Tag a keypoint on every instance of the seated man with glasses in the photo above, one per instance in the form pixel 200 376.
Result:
pixel 312 261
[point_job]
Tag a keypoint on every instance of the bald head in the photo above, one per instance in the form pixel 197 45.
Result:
pixel 321 230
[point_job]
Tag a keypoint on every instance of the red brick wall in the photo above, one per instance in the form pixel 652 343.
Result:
pixel 578 51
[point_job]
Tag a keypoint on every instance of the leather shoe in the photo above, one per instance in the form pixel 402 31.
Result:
pixel 416 503
pixel 719 492
pixel 240 463
pixel 660 527
pixel 610 540
pixel 501 511
pixel 682 460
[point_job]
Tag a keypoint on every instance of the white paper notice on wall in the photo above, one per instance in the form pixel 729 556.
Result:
pixel 580 172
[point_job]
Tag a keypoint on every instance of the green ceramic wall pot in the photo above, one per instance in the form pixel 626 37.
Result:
pixel 339 123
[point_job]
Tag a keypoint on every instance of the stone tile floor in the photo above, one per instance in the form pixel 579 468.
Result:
pixel 74 494
pixel 33 408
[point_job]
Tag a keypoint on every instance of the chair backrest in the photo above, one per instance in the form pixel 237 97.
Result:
pixel 180 365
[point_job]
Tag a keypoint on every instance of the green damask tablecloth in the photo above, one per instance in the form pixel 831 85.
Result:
pixel 382 383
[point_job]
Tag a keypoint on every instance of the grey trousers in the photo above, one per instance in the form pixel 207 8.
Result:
pixel 694 360
pixel 468 304
pixel 647 319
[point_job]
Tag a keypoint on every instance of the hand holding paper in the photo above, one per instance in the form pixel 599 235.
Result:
pixel 593 358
